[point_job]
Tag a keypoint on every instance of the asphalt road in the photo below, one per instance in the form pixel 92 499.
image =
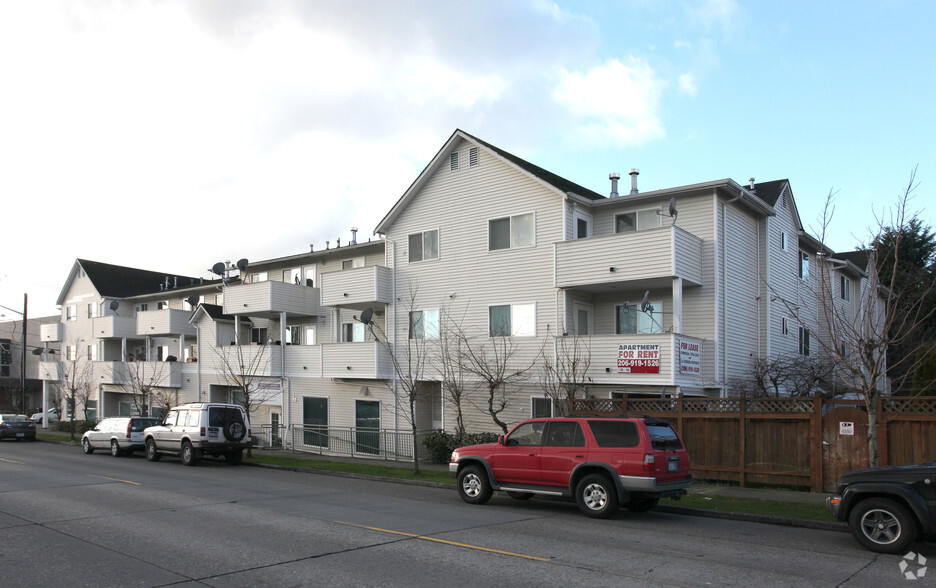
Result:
pixel 68 519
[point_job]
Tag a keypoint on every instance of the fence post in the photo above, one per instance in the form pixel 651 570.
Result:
pixel 816 453
pixel 742 440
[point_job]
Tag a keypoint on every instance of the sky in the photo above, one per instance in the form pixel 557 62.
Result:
pixel 171 135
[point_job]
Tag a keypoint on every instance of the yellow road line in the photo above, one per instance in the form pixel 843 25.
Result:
pixel 12 461
pixel 116 480
pixel 437 540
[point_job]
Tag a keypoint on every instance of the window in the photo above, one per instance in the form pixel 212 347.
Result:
pixel 784 326
pixel 352 332
pixel 512 320
pixel 541 407
pixel 783 240
pixel 453 161
pixel 92 309
pixel 310 335
pixel 512 231
pixel 843 350
pixel 162 305
pixel 71 352
pixel 91 410
pixel 162 352
pixel 292 275
pixel 143 307
pixel 293 335
pixel 219 299
pixel 527 434
pixel 637 221
pixel 474 157
pixel 632 320
pixel 423 246
pixel 71 312
pixel 309 273
pixel 845 288
pixel 565 434
pixel 424 324
pixel 92 352
pixel 258 277
pixel 6 357
pixel 804 341
pixel 259 335
pixel 352 263
pixel 615 433
pixel 190 353
pixel 804 265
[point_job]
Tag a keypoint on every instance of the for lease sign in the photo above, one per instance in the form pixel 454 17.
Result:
pixel 638 358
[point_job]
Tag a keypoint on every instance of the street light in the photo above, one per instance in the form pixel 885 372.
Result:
pixel 23 364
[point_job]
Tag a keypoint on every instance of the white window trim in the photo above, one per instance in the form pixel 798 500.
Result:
pixel 513 305
pixel 636 214
pixel 423 242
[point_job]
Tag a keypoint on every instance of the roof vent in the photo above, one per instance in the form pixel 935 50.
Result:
pixel 354 235
pixel 614 177
pixel 634 172
pixel 751 180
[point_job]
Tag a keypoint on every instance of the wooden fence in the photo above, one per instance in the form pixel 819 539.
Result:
pixel 795 442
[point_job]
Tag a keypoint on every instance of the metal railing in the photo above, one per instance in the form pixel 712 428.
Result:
pixel 385 444
pixel 268 436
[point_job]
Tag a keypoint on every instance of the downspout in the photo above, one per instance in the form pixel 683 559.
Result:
pixel 393 280
pixel 198 362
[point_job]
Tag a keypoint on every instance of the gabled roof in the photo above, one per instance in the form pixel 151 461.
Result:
pixel 860 259
pixel 770 192
pixel 215 313
pixel 557 183
pixel 117 281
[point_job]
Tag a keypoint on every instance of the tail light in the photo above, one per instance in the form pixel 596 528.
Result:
pixel 128 429
pixel 649 462
pixel 203 431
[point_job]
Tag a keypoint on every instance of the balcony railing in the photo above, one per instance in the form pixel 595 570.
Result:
pixel 163 374
pixel 114 327
pixel 270 298
pixel 653 254
pixel 356 360
pixel 662 359
pixel 51 333
pixel 358 287
pixel 165 322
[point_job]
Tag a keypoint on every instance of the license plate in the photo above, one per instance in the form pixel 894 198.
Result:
pixel 672 465
pixel 20 434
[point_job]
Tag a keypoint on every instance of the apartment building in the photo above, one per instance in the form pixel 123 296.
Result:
pixel 12 377
pixel 665 292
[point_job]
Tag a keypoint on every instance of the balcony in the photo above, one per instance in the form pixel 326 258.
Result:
pixel 369 360
pixel 51 333
pixel 658 360
pixel 359 288
pixel 164 323
pixel 639 259
pixel 269 299
pixel 252 360
pixel 114 327
pixel 52 371
pixel 163 374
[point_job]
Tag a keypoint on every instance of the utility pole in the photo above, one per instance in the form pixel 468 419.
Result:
pixel 23 366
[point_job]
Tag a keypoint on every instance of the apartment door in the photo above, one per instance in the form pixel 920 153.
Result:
pixel 367 427
pixel 583 314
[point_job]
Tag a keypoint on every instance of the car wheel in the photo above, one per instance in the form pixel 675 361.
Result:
pixel 596 496
pixel 882 525
pixel 115 448
pixel 641 504
pixel 189 455
pixel 86 446
pixel 520 495
pixel 473 485
pixel 151 453
pixel 235 457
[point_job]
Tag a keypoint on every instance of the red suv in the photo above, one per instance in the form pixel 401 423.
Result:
pixel 603 462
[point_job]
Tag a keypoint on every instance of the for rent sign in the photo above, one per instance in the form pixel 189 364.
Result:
pixel 639 358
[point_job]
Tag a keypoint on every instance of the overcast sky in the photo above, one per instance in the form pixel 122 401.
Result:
pixel 171 135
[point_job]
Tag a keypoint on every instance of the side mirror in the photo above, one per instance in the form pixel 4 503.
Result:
pixel 500 439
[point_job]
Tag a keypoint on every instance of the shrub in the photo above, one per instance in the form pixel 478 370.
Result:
pixel 441 444
pixel 66 426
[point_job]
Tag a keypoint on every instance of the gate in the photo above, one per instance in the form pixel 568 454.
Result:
pixel 841 451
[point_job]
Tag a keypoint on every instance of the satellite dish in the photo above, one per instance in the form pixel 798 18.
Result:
pixel 192 300
pixel 242 265
pixel 672 207
pixel 218 268
pixel 114 305
pixel 366 316
pixel 645 303
pixel 37 351
pixel 296 279
pixel 625 308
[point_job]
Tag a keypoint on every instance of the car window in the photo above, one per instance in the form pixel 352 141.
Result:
pixel 565 434
pixel 137 425
pixel 527 434
pixel 192 418
pixel 218 415
pixel 615 433
pixel 662 436
pixel 171 418
pixel 15 418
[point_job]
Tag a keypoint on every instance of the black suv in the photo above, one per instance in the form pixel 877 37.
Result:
pixel 887 508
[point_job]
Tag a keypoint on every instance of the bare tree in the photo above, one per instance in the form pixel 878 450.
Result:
pixel 886 312
pixel 454 385
pixel 139 380
pixel 785 375
pixel 76 378
pixel 564 375
pixel 410 359
pixel 245 368
pixel 497 363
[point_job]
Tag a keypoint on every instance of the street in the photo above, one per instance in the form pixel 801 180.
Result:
pixel 71 519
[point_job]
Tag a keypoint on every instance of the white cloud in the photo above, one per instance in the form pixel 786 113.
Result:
pixel 687 84
pixel 615 103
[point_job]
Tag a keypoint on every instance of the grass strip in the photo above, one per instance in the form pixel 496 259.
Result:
pixel 399 473
pixel 774 508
